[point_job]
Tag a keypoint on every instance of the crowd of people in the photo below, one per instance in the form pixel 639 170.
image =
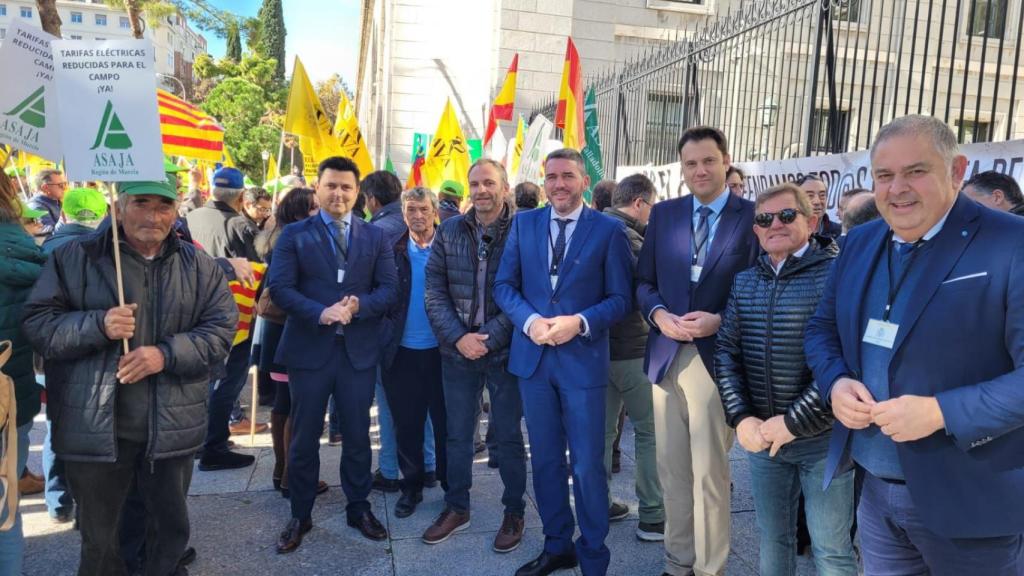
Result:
pixel 871 367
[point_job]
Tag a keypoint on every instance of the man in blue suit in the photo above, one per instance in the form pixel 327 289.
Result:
pixel 918 345
pixel 335 276
pixel 565 278
pixel 693 248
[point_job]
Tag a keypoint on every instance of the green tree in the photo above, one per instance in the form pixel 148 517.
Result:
pixel 272 34
pixel 234 42
pixel 329 91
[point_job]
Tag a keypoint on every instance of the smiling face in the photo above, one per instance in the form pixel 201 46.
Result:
pixel 704 167
pixel 337 192
pixel 914 185
pixel 487 189
pixel 780 240
pixel 564 183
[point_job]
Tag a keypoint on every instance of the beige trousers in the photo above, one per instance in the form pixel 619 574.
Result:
pixel 693 442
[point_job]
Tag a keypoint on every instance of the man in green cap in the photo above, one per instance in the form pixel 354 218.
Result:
pixel 450 199
pixel 132 419
pixel 31 221
pixel 81 213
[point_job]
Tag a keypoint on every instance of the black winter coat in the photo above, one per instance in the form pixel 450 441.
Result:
pixel 451 286
pixel 760 366
pixel 194 320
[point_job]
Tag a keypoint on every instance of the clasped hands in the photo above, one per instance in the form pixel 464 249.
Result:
pixel 554 331
pixel 756 435
pixel 341 312
pixel 687 327
pixel 144 361
pixel 904 419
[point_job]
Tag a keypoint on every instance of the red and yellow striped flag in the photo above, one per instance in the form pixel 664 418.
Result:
pixel 187 130
pixel 504 102
pixel 245 299
pixel 569 115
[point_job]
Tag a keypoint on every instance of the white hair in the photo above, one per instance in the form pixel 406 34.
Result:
pixel 934 130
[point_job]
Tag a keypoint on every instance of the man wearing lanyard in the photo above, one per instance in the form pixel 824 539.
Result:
pixel 923 365
pixel 706 237
pixel 335 277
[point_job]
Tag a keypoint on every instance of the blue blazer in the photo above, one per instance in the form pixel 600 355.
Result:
pixel 304 280
pixel 596 281
pixel 962 341
pixel 663 272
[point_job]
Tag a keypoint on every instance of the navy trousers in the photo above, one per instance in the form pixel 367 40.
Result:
pixel 353 393
pixel 560 410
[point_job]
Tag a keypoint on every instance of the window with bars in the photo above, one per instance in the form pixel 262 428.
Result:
pixel 664 122
pixel 987 18
pixel 850 11
pixel 974 131
pixel 820 130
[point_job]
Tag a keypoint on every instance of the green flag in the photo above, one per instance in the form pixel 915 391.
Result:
pixel 592 151
pixel 389 166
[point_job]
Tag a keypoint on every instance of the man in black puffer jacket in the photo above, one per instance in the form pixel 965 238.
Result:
pixel 131 419
pixel 474 336
pixel 768 391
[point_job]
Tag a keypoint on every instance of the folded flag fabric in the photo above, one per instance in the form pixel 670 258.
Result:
pixel 245 299
pixel 187 130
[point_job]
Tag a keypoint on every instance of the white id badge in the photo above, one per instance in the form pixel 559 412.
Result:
pixel 881 333
pixel 341 276
pixel 695 272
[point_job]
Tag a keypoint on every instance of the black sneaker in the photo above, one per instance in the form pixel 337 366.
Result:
pixel 617 511
pixel 430 479
pixel 384 484
pixel 406 505
pixel 650 532
pixel 226 460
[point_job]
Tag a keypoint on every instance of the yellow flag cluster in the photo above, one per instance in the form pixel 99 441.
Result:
pixel 448 156
pixel 307 119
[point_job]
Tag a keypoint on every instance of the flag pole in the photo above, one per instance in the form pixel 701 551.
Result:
pixel 17 176
pixel 117 253
pixel 254 378
pixel 277 185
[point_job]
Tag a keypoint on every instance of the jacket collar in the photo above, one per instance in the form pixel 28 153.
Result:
pixel 628 220
pixel 393 208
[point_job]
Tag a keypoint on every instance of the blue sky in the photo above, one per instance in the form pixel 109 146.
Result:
pixel 323 33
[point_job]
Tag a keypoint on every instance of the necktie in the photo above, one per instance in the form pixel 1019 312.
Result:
pixel 700 236
pixel 342 241
pixel 559 250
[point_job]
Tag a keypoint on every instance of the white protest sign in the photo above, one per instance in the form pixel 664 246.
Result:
pixel 533 148
pixel 114 134
pixel 28 96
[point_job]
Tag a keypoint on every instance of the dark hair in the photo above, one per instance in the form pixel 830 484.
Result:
pixel 527 195
pixel 988 182
pixel 568 154
pixel 631 188
pixel 293 207
pixel 338 164
pixel 359 208
pixel 734 170
pixel 10 208
pixel 601 195
pixel 862 214
pixel 698 133
pixel 854 191
pixel 804 178
pixel 382 186
pixel 256 194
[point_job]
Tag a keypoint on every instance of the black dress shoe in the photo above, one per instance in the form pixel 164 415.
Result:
pixel 291 537
pixel 188 557
pixel 546 564
pixel 406 505
pixel 384 484
pixel 368 524
pixel 430 479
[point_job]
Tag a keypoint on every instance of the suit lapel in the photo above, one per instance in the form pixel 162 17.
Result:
pixel 728 222
pixel 850 312
pixel 324 240
pixel 579 238
pixel 950 243
pixel 541 230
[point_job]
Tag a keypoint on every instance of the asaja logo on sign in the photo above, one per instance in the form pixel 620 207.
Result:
pixel 112 136
pixel 32 110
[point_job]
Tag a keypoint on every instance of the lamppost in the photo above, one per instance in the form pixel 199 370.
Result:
pixel 769 112
pixel 176 79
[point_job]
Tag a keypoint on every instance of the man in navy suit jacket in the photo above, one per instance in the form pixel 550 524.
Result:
pixel 918 345
pixel 565 279
pixel 693 248
pixel 335 276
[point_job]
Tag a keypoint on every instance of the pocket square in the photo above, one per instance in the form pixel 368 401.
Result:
pixel 967 277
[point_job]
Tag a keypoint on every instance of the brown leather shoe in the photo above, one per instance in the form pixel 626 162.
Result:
pixel 510 534
pixel 241 428
pixel 291 537
pixel 29 484
pixel 368 524
pixel 448 522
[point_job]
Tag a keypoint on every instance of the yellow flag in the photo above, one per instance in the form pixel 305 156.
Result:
pixel 448 155
pixel 272 172
pixel 346 129
pixel 309 159
pixel 306 116
pixel 228 161
pixel 516 149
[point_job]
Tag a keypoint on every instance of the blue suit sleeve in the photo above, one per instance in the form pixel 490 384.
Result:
pixel 384 291
pixel 984 411
pixel 648 297
pixel 284 279
pixel 618 282
pixel 822 346
pixel 508 283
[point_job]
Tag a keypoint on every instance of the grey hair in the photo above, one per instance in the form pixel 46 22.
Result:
pixel 419 194
pixel 226 195
pixel 936 131
pixel 44 176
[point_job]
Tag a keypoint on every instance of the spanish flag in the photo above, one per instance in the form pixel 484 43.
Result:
pixel 187 130
pixel 569 115
pixel 245 300
pixel 504 102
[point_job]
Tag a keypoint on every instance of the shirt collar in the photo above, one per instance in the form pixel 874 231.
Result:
pixel 574 215
pixel 329 220
pixel 798 254
pixel 931 233
pixel 414 246
pixel 716 205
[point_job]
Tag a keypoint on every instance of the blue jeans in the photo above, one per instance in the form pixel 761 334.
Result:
pixel 58 495
pixel 463 385
pixel 777 483
pixel 12 542
pixel 387 457
pixel 895 542
pixel 223 394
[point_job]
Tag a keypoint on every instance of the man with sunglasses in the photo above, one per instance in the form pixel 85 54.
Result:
pixel 50 188
pixel 474 336
pixel 693 248
pixel 768 391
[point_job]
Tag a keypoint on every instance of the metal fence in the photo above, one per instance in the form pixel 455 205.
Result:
pixel 791 78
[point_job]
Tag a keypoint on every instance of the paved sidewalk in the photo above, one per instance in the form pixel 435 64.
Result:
pixel 236 516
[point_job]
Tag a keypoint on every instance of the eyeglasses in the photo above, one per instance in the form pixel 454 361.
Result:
pixel 60 184
pixel 483 250
pixel 786 216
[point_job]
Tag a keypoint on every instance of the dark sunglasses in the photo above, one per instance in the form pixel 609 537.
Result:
pixel 483 250
pixel 786 216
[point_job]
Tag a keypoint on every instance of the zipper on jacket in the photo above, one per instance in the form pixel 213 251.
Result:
pixel 768 348
pixel 153 270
